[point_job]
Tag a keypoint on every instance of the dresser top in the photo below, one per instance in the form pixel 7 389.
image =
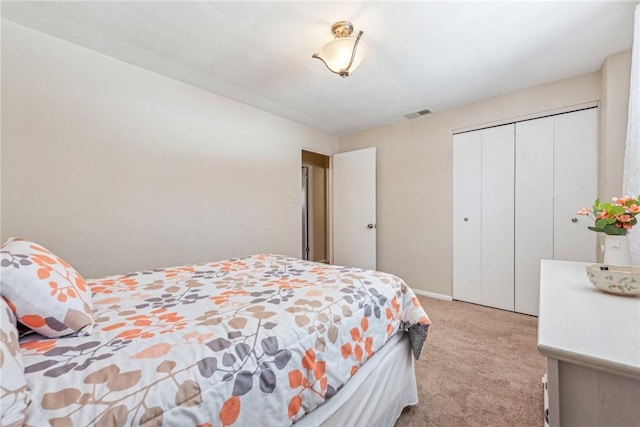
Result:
pixel 581 324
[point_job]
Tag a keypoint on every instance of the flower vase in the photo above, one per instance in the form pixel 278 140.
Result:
pixel 616 250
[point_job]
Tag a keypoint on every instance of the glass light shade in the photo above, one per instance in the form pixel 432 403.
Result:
pixel 337 53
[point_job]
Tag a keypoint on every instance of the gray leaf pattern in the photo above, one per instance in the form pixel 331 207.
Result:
pixel 264 327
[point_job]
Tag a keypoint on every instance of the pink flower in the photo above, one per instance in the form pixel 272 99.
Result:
pixel 622 200
pixel 624 218
pixel 622 214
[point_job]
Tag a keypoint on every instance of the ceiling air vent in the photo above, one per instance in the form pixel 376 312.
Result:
pixel 418 114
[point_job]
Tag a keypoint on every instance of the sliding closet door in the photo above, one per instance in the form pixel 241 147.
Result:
pixel 575 168
pixel 533 209
pixel 467 191
pixel 498 216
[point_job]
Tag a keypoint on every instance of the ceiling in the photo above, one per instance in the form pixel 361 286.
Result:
pixel 422 55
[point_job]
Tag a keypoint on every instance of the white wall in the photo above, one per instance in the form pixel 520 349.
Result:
pixel 116 168
pixel 414 176
pixel 616 72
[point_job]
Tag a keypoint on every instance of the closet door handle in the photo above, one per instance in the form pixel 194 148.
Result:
pixel 574 220
pixel 466 219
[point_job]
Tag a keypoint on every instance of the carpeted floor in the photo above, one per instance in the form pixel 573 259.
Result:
pixel 480 367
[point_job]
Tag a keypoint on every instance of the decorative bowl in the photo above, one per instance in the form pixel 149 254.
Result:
pixel 619 280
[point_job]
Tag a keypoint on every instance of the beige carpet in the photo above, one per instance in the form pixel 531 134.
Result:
pixel 480 367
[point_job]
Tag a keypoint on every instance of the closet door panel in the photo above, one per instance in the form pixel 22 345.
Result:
pixel 575 169
pixel 467 192
pixel 498 216
pixel 533 209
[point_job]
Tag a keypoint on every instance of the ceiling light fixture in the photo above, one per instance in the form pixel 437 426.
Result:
pixel 343 54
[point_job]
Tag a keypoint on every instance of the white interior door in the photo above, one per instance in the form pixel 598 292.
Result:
pixel 498 216
pixel 354 208
pixel 533 209
pixel 467 200
pixel 575 166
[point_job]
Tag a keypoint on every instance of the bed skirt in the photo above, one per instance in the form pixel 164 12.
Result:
pixel 376 395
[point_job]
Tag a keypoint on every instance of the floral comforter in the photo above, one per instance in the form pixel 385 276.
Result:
pixel 248 341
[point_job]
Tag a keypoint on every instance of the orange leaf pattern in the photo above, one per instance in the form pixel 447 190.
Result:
pixel 230 411
pixel 212 339
pixel 14 398
pixel 48 295
pixel 154 351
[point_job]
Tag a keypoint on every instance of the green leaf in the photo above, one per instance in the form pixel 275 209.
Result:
pixel 596 204
pixel 617 210
pixel 601 224
pixel 612 230
pixel 595 229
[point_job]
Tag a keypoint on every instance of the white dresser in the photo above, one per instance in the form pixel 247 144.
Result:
pixel 591 340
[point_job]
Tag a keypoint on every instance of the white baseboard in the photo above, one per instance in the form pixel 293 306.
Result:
pixel 433 295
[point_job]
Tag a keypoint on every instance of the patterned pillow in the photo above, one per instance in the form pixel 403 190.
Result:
pixel 45 292
pixel 14 398
pixel 16 406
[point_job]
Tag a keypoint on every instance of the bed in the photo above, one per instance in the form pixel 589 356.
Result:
pixel 261 340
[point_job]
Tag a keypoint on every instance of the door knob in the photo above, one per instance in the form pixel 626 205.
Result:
pixel 466 219
pixel 574 219
pixel 371 226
